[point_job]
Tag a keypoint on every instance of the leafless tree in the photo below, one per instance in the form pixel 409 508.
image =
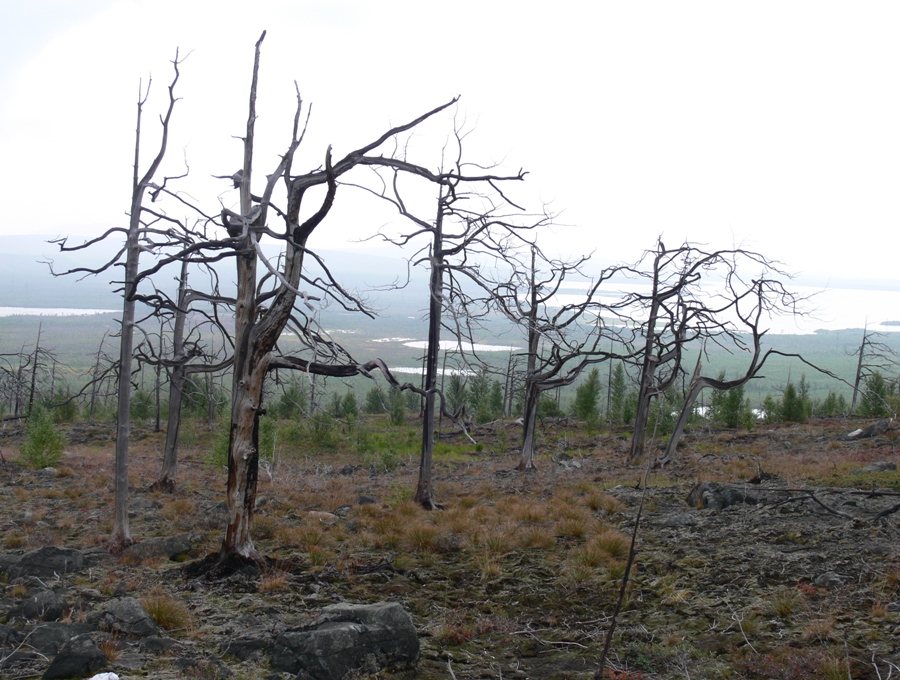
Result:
pixel 563 337
pixel 470 230
pixel 134 233
pixel 694 297
pixel 874 355
pixel 195 350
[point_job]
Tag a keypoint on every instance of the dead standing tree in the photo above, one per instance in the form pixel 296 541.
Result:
pixel 563 339
pixel 696 297
pixel 471 229
pixel 195 350
pixel 874 355
pixel 121 534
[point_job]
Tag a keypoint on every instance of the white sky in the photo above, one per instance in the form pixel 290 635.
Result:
pixel 775 125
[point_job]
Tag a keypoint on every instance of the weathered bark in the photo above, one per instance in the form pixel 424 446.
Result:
pixel 424 487
pixel 166 481
pixel 121 534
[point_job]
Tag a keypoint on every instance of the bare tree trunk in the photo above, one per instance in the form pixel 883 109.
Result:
pixel 859 370
pixel 246 390
pixel 696 386
pixel 121 533
pixel 532 391
pixel 34 369
pixel 166 481
pixel 425 488
pixel 157 385
pixel 532 399
pixel 94 380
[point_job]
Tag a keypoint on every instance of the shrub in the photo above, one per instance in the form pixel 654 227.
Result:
pixel 729 408
pixel 292 401
pixel 793 405
pixel 375 401
pixel 587 395
pixel 874 403
pixel 44 444
pixel 548 408
pixel 142 405
pixel 397 407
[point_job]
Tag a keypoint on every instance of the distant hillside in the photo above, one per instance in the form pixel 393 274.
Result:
pixel 26 281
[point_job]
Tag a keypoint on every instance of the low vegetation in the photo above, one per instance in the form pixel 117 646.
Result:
pixel 519 570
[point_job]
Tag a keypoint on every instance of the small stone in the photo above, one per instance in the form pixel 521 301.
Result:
pixel 324 517
pixel 830 579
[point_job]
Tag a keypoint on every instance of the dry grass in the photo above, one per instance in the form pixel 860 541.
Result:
pixel 180 510
pixel 111 647
pixel 273 582
pixel 818 629
pixel 421 536
pixel 167 612
pixel 538 546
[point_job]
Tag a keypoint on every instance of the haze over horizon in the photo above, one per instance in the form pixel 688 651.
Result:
pixel 769 126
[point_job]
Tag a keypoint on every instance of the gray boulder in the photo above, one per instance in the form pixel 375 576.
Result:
pixel 717 496
pixel 349 637
pixel 47 562
pixel 128 617
pixel 45 605
pixel 78 657
pixel 170 547
pixel 49 638
pixel 879 466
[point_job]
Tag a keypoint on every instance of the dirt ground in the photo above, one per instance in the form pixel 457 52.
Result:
pixel 518 575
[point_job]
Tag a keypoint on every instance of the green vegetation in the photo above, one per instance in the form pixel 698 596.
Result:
pixel 730 408
pixel 44 443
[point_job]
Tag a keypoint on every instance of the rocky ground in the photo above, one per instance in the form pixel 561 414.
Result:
pixel 785 563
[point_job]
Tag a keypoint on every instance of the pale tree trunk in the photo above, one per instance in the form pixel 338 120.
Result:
pixel 166 481
pixel 859 370
pixel 532 399
pixel 121 533
pixel 246 389
pixel 34 369
pixel 157 387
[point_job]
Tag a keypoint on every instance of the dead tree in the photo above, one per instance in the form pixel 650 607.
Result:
pixel 697 297
pixel 195 350
pixel 470 230
pixel 563 339
pixel 134 233
pixel 874 355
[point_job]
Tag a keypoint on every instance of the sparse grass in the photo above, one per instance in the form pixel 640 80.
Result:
pixel 818 629
pixel 273 582
pixel 13 541
pixel 18 591
pixel 539 552
pixel 421 537
pixel 166 611
pixel 785 603
pixel 111 646
pixel 180 509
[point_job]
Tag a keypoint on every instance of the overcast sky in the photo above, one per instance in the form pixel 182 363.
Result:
pixel 774 125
